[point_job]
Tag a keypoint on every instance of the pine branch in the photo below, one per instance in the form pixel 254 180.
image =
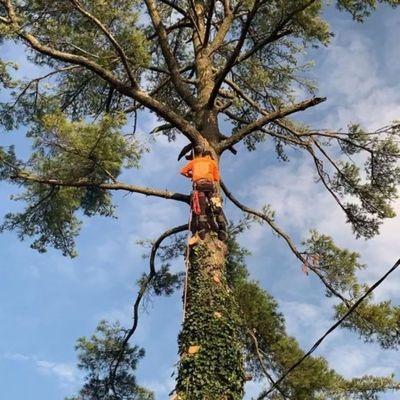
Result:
pixel 139 95
pixel 120 51
pixel 280 232
pixel 349 304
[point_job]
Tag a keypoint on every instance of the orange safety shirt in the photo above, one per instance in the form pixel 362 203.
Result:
pixel 201 168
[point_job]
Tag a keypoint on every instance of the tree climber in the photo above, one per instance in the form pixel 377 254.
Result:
pixel 206 202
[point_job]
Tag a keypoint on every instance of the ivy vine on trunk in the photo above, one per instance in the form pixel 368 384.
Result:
pixel 225 75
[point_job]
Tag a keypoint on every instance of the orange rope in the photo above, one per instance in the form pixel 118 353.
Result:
pixel 196 203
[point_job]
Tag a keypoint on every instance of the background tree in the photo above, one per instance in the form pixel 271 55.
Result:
pixel 193 64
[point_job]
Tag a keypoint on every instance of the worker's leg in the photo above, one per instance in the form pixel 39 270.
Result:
pixel 202 219
pixel 221 221
pixel 216 205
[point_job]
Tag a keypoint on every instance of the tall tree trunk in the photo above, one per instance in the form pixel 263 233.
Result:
pixel 211 364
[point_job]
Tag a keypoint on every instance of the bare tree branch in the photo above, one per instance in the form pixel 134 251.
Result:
pixel 21 176
pixel 142 97
pixel 209 21
pixel 141 293
pixel 175 7
pixel 41 78
pixel 276 34
pixel 173 67
pixel 287 239
pixel 270 117
pixel 262 364
pixel 222 31
pixel 235 54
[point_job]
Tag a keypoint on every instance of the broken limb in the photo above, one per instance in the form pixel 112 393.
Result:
pixel 143 288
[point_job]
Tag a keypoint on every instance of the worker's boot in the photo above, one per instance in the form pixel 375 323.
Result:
pixel 203 225
pixel 222 235
pixel 202 234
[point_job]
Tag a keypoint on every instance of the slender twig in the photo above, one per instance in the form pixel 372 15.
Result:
pixel 262 364
pixel 265 119
pixel 280 232
pixel 143 288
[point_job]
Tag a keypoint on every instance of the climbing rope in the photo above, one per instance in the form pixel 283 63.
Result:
pixel 187 252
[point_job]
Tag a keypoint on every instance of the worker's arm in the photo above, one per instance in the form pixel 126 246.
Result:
pixel 187 170
pixel 216 172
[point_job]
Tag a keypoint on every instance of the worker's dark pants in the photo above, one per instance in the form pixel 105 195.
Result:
pixel 211 216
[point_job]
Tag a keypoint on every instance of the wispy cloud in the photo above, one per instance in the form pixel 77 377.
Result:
pixel 65 373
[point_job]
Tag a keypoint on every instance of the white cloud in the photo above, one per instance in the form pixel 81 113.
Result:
pixel 355 83
pixel 16 357
pixel 161 388
pixel 65 373
pixel 361 359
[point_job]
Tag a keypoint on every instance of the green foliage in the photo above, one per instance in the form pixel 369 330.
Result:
pixel 163 282
pixel 68 30
pixel 49 217
pixel 76 118
pixel 8 162
pixel 313 379
pixel 378 322
pixel 69 152
pixel 259 314
pixel 375 193
pixel 97 354
pixel 360 9
pixel 373 321
pixel 78 92
pixel 338 266
pixel 6 79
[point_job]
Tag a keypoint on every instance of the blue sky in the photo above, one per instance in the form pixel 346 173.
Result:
pixel 48 301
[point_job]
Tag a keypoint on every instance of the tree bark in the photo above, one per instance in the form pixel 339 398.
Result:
pixel 211 360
